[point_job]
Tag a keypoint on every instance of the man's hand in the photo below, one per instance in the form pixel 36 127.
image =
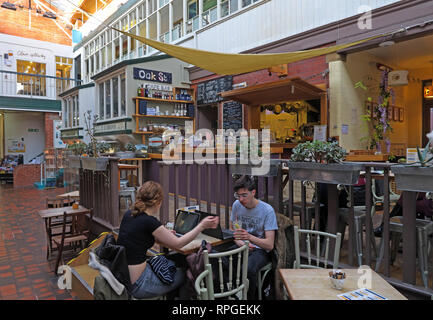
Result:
pixel 240 243
pixel 241 234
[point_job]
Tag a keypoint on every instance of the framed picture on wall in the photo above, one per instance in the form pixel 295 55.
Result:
pixel 373 109
pixel 390 112
pixel 396 113
pixel 401 111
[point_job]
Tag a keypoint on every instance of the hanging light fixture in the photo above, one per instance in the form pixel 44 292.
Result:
pixel 428 90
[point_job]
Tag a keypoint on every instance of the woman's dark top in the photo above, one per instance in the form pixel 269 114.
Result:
pixel 135 234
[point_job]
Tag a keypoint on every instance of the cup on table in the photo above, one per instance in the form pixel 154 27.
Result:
pixel 75 205
pixel 337 278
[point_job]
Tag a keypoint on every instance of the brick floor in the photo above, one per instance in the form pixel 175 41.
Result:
pixel 25 274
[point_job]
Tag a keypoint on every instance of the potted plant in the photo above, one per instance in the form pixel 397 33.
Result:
pixel 417 176
pixel 77 148
pixel 322 162
pixel 128 153
pixel 92 160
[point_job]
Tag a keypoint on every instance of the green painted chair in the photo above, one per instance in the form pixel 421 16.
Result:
pixel 319 252
pixel 237 282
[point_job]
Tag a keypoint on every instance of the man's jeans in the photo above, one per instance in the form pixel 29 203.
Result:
pixel 257 259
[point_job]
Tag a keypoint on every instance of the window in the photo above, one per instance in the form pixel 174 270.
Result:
pixel 33 84
pixel 112 97
pixel 192 9
pixel 101 101
pixel 115 84
pixel 122 95
pixel 107 99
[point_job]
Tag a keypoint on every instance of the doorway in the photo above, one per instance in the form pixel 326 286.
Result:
pixel 208 118
pixel 427 114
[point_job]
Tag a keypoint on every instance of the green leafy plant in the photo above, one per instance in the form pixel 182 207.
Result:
pixel 377 119
pixel 103 147
pixel 78 148
pixel 318 151
pixel 130 147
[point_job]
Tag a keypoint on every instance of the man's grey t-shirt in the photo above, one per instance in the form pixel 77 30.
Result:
pixel 257 220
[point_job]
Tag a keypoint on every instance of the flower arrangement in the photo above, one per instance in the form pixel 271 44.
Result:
pixel 377 118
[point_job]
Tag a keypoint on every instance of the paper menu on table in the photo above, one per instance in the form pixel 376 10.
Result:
pixel 361 294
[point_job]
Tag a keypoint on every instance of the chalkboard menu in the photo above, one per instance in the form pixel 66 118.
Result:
pixel 232 115
pixel 208 92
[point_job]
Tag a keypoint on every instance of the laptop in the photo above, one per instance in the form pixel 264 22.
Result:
pixel 219 232
pixel 185 221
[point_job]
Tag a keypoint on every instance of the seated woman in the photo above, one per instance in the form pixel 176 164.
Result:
pixel 139 230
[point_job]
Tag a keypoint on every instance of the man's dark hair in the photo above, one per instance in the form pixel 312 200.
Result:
pixel 245 182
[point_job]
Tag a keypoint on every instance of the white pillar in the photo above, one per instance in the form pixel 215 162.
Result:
pixel 185 16
pixel 200 13
pixel 158 25
pixel 170 22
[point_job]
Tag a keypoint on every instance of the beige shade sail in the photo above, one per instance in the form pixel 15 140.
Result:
pixel 230 64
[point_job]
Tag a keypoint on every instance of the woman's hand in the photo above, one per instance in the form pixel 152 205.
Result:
pixel 210 222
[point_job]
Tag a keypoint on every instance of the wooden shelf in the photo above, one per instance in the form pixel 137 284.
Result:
pixel 164 100
pixel 143 132
pixel 162 116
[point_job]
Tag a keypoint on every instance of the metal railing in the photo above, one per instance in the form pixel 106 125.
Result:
pixel 33 85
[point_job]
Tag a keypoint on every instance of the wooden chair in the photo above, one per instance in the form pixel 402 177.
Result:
pixel 204 284
pixel 79 226
pixel 53 225
pixel 318 234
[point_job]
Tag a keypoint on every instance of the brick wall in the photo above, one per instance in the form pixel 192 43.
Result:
pixel 25 175
pixel 16 23
pixel 49 129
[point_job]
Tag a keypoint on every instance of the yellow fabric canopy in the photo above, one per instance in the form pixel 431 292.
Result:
pixel 230 64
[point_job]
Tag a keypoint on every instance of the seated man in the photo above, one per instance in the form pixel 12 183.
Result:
pixel 255 221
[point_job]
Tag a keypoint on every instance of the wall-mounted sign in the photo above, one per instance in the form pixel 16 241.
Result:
pixel 16 145
pixel 151 75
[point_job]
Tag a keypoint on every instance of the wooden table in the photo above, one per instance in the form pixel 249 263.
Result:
pixel 314 284
pixel 73 195
pixel 195 244
pixel 58 212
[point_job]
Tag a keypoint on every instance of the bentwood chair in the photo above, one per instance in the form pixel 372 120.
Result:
pixel 327 237
pixel 233 283
pixel 53 225
pixel 79 224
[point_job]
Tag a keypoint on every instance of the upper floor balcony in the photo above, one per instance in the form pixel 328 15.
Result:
pixel 28 85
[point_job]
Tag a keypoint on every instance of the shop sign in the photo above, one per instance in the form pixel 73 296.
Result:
pixel 151 75
pixel 110 127
pixel 69 133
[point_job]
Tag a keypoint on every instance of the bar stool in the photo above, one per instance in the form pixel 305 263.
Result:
pixel 424 231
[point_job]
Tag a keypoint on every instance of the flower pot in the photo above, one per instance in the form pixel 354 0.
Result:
pixel 74 161
pixel 94 164
pixel 253 169
pixel 346 173
pixel 125 154
pixel 413 178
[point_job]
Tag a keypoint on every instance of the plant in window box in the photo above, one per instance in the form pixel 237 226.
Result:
pixel 322 162
pixel 92 161
pixel 417 176
pixel 78 148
